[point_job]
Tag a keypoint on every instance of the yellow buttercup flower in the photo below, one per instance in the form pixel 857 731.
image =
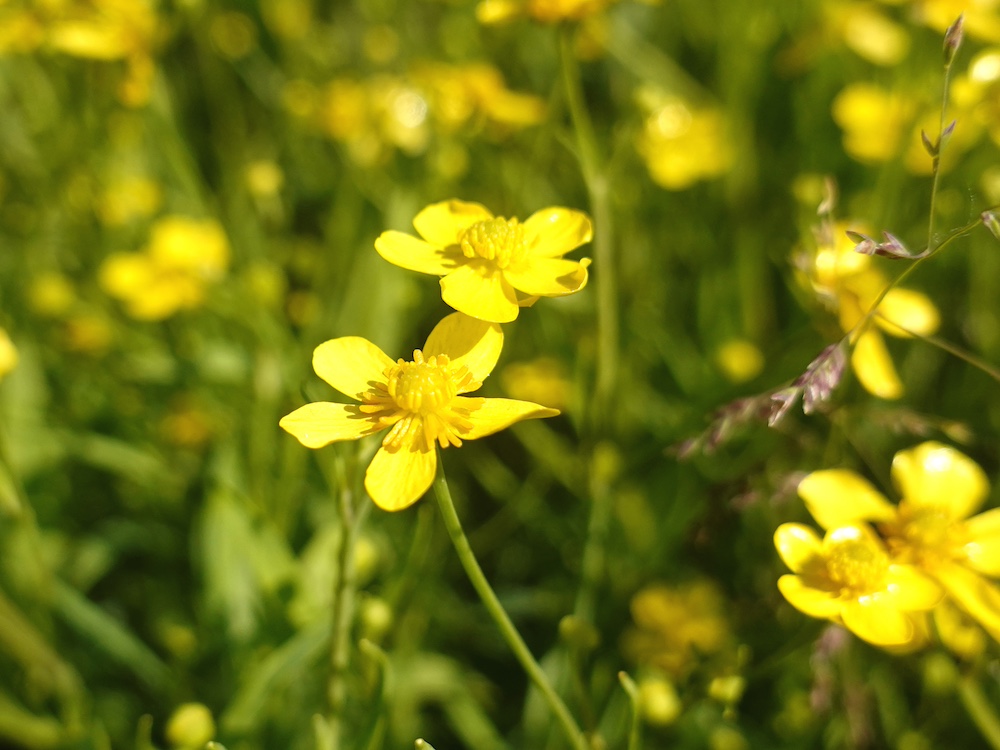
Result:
pixel 848 577
pixel 8 354
pixel 980 18
pixel 933 525
pixel 545 11
pixel 491 266
pixel 420 402
pixel 183 257
pixel 850 283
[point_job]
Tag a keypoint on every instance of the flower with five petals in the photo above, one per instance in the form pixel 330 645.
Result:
pixel 420 402
pixel 491 266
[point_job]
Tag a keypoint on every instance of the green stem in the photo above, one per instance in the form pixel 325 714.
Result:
pixel 498 614
pixel 983 715
pixel 935 180
pixel 956 351
pixel 635 730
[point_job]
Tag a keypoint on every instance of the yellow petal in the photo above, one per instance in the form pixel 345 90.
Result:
pixel 811 601
pixel 125 275
pixel 799 548
pixel 321 423
pixel 491 415
pixel 408 252
pixel 982 551
pixel 910 590
pixel 350 364
pixel 397 479
pixel 552 232
pixel 936 475
pixel 477 291
pixel 442 223
pixel 547 277
pixel 476 344
pixel 973 594
pixel 874 368
pixel 912 310
pixel 839 497
pixel 90 40
pixel 877 622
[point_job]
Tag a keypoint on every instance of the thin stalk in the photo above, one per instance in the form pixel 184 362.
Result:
pixel 499 616
pixel 983 715
pixel 956 351
pixel 946 86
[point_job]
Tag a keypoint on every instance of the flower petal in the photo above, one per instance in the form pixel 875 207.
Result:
pixel 811 601
pixel 878 622
pixel 322 423
pixel 912 310
pixel 874 367
pixel 413 254
pixel 911 590
pixel 548 277
pixel 553 232
pixel 398 478
pixel 467 341
pixel 477 291
pixel 350 364
pixel 974 595
pixel 489 415
pixel 937 475
pixel 982 551
pixel 839 497
pixel 442 223
pixel 799 548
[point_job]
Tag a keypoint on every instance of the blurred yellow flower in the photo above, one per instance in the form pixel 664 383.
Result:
pixel 8 354
pixel 51 295
pixel 491 266
pixel 933 525
pixel 848 577
pixel 874 121
pixel 543 379
pixel 128 198
pixel 868 32
pixel 420 402
pixel 682 143
pixel 184 256
pixel 849 283
pixel 190 726
pixel 659 703
pixel 740 360
pixel 545 11
pixel 980 18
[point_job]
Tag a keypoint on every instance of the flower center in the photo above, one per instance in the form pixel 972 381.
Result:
pixel 498 240
pixel 417 400
pixel 857 566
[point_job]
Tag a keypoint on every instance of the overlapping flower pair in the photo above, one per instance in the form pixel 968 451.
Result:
pixel 490 267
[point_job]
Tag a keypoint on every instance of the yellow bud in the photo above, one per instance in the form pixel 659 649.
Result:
pixel 376 618
pixel 190 726
pixel 727 690
pixel 658 701
pixel 740 360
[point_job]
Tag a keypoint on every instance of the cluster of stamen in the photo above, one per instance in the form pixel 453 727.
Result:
pixel 498 240
pixel 926 534
pixel 417 402
pixel 856 566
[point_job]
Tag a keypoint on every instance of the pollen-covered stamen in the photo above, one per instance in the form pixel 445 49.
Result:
pixel 857 566
pixel 498 240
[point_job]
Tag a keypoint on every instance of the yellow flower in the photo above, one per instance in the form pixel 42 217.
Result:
pixel 868 32
pixel 932 527
pixel 981 18
pixel 849 283
pixel 492 266
pixel 420 402
pixel 848 577
pixel 874 121
pixel 8 354
pixel 183 257
pixel 546 11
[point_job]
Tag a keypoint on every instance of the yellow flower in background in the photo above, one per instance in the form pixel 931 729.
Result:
pixel 8 354
pixel 491 266
pixel 184 256
pixel 849 282
pixel 680 142
pixel 980 18
pixel 128 198
pixel 874 121
pixel 933 525
pixel 544 379
pixel 740 360
pixel 867 31
pixel 849 578
pixel 420 402
pixel 545 11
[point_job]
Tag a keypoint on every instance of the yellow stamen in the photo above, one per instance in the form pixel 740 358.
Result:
pixel 498 240
pixel 857 566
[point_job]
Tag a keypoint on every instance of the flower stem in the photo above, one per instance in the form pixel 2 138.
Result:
pixel 983 715
pixel 498 614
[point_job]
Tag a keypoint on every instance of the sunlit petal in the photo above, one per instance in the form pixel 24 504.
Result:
pixel 474 343
pixel 874 367
pixel 406 251
pixel 838 497
pixel 489 415
pixel 442 223
pixel 397 479
pixel 322 423
pixel 799 548
pixel 982 551
pixel 809 600
pixel 547 277
pixel 477 291
pixel 552 232
pixel 909 589
pixel 877 622
pixel 912 310
pixel 350 364
pixel 937 475
pixel 976 596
